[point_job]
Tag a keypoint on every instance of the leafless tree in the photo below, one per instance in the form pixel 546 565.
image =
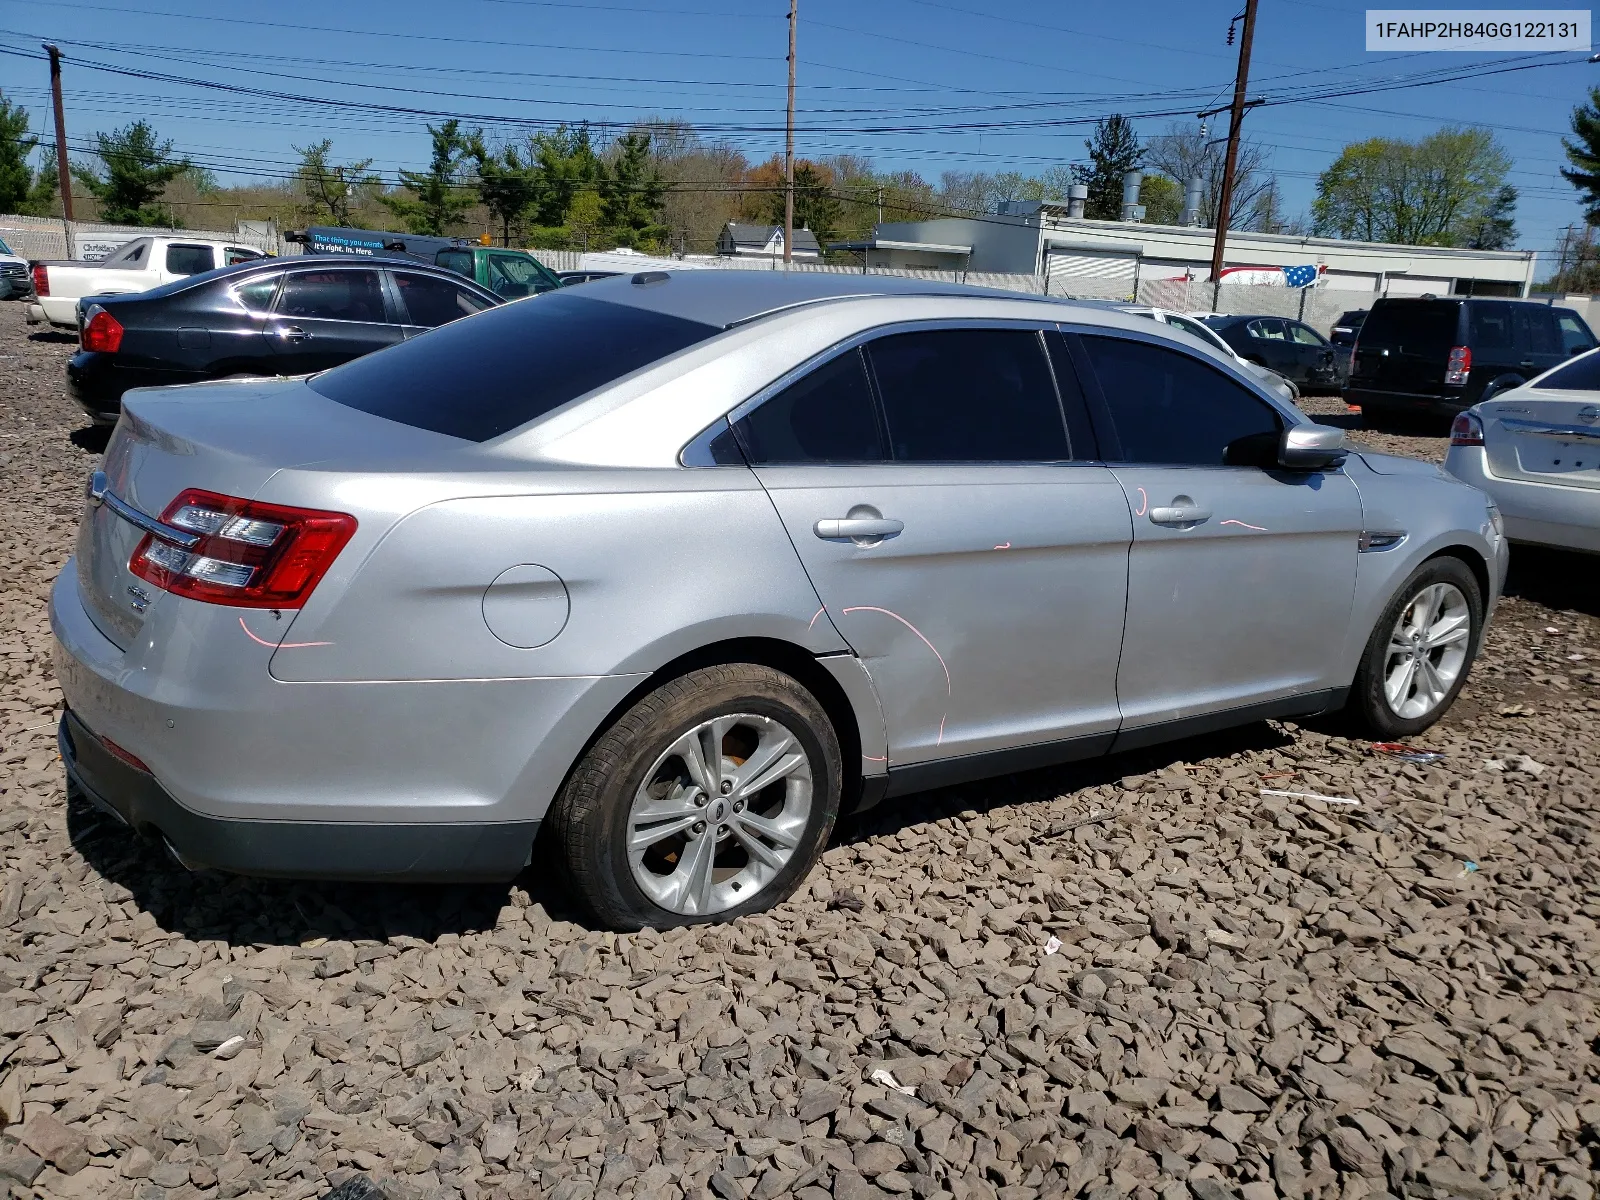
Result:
pixel 1182 152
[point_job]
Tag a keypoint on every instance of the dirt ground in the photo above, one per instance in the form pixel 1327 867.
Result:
pixel 1139 977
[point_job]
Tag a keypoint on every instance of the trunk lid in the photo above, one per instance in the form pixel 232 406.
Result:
pixel 1543 437
pixel 229 437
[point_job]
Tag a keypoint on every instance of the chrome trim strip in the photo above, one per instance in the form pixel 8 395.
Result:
pixel 99 493
pixel 1580 433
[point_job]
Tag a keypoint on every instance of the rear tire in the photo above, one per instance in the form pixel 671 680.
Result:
pixel 709 799
pixel 1420 651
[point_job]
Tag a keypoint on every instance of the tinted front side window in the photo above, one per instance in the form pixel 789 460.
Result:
pixel 1170 408
pixel 481 378
pixel 969 395
pixel 190 260
pixel 826 416
pixel 1305 335
pixel 432 302
pixel 333 296
pixel 1575 335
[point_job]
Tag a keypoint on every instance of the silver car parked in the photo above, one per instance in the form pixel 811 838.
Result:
pixel 683 566
pixel 1535 449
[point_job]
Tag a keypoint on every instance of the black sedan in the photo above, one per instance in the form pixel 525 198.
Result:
pixel 274 316
pixel 1291 348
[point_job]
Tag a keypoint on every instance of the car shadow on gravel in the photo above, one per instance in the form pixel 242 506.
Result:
pixel 92 438
pixel 210 905
pixel 55 336
pixel 1560 579
pixel 1050 783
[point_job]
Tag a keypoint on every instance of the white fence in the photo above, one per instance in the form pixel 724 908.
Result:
pixel 49 237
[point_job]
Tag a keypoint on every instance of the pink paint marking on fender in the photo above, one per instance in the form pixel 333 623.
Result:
pixel 1003 546
pixel 278 645
pixel 1245 525
pixel 817 614
pixel 1144 504
pixel 939 741
pixel 875 758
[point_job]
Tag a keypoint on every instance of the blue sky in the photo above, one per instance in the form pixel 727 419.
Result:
pixel 907 82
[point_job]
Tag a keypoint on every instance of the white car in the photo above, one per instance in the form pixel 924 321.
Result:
pixel 1280 386
pixel 1535 450
pixel 138 266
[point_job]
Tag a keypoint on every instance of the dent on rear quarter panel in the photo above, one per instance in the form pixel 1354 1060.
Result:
pixel 651 573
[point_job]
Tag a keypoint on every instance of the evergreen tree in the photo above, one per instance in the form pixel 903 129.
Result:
pixel 441 194
pixel 137 171
pixel 564 164
pixel 816 207
pixel 328 189
pixel 1584 155
pixel 631 192
pixel 506 184
pixel 1495 227
pixel 16 181
pixel 1114 150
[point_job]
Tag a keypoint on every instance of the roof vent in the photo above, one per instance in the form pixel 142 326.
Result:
pixel 650 278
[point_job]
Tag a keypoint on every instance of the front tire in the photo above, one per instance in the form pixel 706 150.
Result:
pixel 1417 659
pixel 710 798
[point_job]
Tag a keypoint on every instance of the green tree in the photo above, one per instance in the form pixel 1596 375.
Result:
pixel 1114 150
pixel 564 164
pixel 440 195
pixel 631 191
pixel 1494 227
pixel 506 184
pixel 1583 152
pixel 137 170
pixel 16 144
pixel 1162 199
pixel 328 190
pixel 1431 192
pixel 816 207
pixel 41 201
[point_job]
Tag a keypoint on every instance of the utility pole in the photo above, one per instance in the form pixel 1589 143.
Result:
pixel 788 151
pixel 63 172
pixel 1235 120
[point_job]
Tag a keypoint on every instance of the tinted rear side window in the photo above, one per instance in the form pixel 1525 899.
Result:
pixel 481 377
pixel 1489 326
pixel 825 416
pixel 1579 375
pixel 1421 326
pixel 969 395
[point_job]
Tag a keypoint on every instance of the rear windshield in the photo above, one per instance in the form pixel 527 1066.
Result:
pixel 1579 375
pixel 485 375
pixel 1421 326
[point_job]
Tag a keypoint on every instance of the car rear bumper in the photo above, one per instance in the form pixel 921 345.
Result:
pixel 289 849
pixel 1419 403
pixel 1544 514
pixel 97 382
pixel 428 779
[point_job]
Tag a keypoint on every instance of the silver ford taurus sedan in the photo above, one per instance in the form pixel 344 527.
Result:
pixel 684 565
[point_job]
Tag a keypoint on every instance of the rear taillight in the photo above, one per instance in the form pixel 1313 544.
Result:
pixel 1466 430
pixel 101 332
pixel 249 555
pixel 1459 366
pixel 125 756
pixel 41 280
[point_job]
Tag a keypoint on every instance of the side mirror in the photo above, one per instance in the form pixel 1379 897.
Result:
pixel 1311 447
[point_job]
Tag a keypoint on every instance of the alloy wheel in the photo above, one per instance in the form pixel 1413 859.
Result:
pixel 719 814
pixel 1427 650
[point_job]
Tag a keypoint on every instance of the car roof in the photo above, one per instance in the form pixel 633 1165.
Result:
pixel 731 297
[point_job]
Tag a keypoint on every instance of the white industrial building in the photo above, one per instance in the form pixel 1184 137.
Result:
pixel 1124 259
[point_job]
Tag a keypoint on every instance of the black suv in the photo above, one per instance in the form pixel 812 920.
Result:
pixel 1434 356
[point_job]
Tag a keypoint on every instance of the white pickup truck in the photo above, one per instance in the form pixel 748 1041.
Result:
pixel 137 266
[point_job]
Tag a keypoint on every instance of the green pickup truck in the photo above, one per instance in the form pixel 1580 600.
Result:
pixel 511 274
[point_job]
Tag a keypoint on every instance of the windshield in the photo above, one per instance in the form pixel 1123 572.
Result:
pixel 484 375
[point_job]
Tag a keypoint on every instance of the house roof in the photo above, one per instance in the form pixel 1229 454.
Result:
pixel 759 236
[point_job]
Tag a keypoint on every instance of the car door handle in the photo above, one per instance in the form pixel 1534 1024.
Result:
pixel 839 529
pixel 1180 514
pixel 1526 364
pixel 292 333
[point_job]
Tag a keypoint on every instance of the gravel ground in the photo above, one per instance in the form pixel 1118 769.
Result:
pixel 1137 978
